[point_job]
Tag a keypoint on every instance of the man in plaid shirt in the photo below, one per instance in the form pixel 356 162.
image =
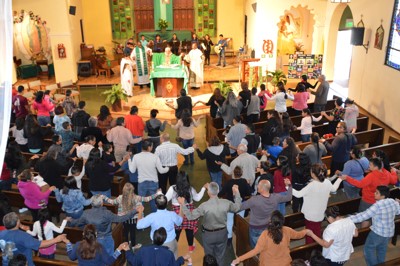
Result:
pixel 383 213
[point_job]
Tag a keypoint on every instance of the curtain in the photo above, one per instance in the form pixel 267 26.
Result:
pixel 6 53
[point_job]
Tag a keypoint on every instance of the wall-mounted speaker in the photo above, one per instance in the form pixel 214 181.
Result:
pixel 357 36
pixel 72 10
pixel 254 6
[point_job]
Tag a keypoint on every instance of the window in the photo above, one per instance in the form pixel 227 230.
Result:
pixel 393 50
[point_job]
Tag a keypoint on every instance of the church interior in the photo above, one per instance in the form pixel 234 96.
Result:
pixel 79 45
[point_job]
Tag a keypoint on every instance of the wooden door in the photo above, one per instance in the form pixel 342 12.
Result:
pixel 183 15
pixel 144 15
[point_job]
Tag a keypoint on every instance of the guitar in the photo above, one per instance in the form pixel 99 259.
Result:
pixel 218 47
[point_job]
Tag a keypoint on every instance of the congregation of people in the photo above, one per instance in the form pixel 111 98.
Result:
pixel 264 174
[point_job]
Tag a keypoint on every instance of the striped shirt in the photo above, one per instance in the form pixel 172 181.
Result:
pixel 168 151
pixel 383 213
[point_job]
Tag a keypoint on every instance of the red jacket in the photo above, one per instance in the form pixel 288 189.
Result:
pixel 369 183
pixel 279 184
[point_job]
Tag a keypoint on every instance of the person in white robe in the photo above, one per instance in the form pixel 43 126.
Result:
pixel 195 58
pixel 126 71
pixel 139 56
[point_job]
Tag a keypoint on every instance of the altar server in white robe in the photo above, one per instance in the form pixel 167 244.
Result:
pixel 139 56
pixel 195 58
pixel 126 71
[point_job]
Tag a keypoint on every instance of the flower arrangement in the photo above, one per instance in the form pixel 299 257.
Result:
pixel 162 24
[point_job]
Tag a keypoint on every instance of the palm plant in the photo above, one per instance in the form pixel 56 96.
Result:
pixel 114 97
pixel 224 87
pixel 276 77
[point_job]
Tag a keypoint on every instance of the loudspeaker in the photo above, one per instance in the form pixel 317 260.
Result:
pixel 72 10
pixel 357 36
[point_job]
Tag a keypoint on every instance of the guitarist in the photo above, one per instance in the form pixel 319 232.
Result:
pixel 221 44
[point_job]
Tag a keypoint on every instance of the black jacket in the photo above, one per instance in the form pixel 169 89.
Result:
pixel 212 157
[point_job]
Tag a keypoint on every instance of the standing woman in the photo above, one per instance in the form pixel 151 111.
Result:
pixel 230 108
pixel 290 150
pixel 300 98
pixel 215 100
pixel 350 115
pixel 315 150
pixel 195 39
pixel 337 238
pixel 282 172
pixel 127 202
pixel 244 96
pixel 215 152
pixel 35 134
pixel 280 98
pixel 208 43
pixel 89 251
pixel 253 110
pixel 127 79
pixel 182 188
pixel 174 44
pixel 104 119
pixel 315 196
pixel 287 126
pixel 42 108
pixel 274 243
pixel 185 127
pixel 336 115
pixel 300 178
pixel 306 124
pixel 271 129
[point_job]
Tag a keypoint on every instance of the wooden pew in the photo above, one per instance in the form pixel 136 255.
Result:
pixel 116 186
pixel 372 138
pixel 391 150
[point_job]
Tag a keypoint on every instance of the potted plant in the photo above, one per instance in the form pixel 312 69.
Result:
pixel 114 97
pixel 162 24
pixel 224 87
pixel 276 76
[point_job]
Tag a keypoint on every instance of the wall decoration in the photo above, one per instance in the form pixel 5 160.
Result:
pixel 121 19
pixel 206 19
pixel 61 51
pixel 268 47
pixel 393 54
pixel 379 34
pixel 304 64
pixel 31 36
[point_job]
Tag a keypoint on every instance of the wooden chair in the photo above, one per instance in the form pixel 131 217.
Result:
pixel 74 87
pixel 53 88
pixel 35 85
pixel 102 71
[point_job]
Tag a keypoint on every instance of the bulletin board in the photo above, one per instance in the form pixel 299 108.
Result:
pixel 304 64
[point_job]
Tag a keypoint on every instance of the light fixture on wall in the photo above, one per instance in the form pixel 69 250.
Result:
pixel 340 1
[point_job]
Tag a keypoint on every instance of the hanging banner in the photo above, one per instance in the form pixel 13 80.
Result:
pixel 163 10
pixel 304 64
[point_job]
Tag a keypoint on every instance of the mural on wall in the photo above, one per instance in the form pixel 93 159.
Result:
pixel 289 29
pixel 31 36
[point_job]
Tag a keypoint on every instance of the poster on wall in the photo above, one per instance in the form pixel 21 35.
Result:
pixel 304 64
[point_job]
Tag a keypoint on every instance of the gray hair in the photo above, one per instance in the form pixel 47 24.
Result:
pixel 92 121
pixel 242 147
pixel 97 201
pixel 10 220
pixel 213 188
pixel 323 77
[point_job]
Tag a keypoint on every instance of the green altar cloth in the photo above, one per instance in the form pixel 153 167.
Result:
pixel 159 59
pixel 176 72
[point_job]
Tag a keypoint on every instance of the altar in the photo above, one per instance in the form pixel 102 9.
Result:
pixel 167 81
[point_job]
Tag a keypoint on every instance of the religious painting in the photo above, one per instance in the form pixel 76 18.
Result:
pixel 392 55
pixel 379 34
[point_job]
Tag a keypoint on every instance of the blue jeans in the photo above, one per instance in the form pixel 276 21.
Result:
pixel 106 193
pixel 375 249
pixel 221 56
pixel 138 145
pixel 217 178
pixel 282 205
pixel 306 138
pixel 186 144
pixel 229 222
pixel 43 120
pixel 148 188
pixel 108 244
pixel 254 234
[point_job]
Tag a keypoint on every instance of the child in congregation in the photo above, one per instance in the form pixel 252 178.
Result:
pixel 17 132
pixel 83 150
pixel 274 150
pixel 43 229
pixel 72 198
pixel 68 137
pixel 59 118
pixel 77 170
pixel 69 104
pixel 126 203
pixel 50 101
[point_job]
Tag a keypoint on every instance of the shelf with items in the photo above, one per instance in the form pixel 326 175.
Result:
pixel 122 19
pixel 206 19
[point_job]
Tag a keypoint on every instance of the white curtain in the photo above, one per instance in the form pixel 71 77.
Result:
pixel 6 53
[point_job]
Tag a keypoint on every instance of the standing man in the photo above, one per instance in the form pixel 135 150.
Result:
pixel 147 164
pixel 135 124
pixel 321 94
pixel 236 133
pixel 247 162
pixel 20 106
pixel 139 55
pixel 215 212
pixel 24 242
pixel 195 58
pixel 383 213
pixel 221 44
pixel 168 152
pixel 262 206
pixel 121 137
pixel 182 103
pixel 162 218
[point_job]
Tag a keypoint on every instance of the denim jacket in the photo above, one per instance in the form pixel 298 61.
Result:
pixel 73 201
